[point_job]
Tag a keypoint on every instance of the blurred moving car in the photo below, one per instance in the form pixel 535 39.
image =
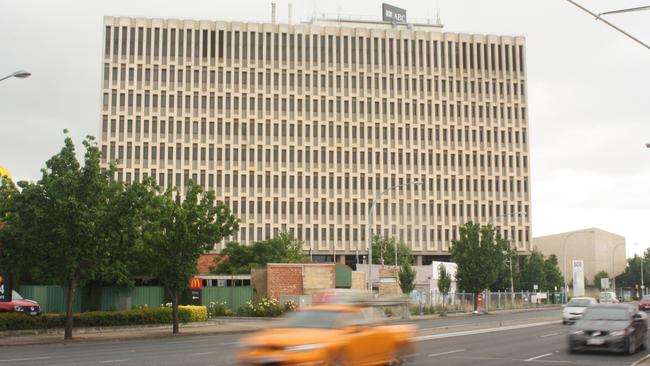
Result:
pixel 330 334
pixel 644 303
pixel 609 327
pixel 607 296
pixel 573 309
pixel 20 305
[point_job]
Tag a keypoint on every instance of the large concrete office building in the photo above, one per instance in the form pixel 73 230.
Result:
pixel 299 126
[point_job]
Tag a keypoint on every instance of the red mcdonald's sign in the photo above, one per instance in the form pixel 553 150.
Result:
pixel 196 283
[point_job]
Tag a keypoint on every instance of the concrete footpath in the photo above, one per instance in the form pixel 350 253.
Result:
pixel 224 325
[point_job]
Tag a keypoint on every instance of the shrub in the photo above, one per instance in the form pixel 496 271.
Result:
pixel 218 308
pixel 13 321
pixel 197 313
pixel 290 306
pixel 266 307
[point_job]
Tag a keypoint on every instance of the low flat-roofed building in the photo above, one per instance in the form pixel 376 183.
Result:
pixel 600 250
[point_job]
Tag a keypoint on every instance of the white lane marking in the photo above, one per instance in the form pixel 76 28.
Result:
pixel 25 359
pixel 447 327
pixel 536 357
pixel 228 343
pixel 203 353
pixel 446 353
pixel 550 334
pixel 115 361
pixel 179 342
pixel 480 331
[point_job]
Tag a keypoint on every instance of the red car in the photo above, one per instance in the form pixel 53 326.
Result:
pixel 644 304
pixel 20 305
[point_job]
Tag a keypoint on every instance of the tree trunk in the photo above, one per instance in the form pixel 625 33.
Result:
pixel 475 301
pixel 71 290
pixel 174 310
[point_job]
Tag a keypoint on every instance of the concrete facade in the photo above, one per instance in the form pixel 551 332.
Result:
pixel 600 250
pixel 298 126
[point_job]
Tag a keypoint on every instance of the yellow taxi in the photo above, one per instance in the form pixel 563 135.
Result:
pixel 330 334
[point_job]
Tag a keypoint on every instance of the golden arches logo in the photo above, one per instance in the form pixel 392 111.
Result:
pixel 196 283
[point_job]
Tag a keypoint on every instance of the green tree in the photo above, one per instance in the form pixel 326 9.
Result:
pixel 444 280
pixel 66 227
pixel 178 231
pixel 632 275
pixel 407 278
pixel 284 248
pixel 552 274
pixel 480 253
pixel 383 248
pixel 444 284
pixel 532 272
pixel 600 275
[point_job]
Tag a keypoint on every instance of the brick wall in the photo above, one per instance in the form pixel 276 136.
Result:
pixel 283 279
pixel 359 280
pixel 318 277
pixel 392 287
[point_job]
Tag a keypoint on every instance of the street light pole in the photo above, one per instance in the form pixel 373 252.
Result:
pixel 371 212
pixel 512 277
pixel 20 74
pixel 613 271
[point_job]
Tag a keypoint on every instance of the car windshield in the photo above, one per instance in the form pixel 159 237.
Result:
pixel 15 296
pixel 602 313
pixel 313 319
pixel 578 303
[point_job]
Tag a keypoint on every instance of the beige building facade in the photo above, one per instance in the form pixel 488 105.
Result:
pixel 600 250
pixel 298 126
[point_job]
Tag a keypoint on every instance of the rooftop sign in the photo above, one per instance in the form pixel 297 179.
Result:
pixel 393 14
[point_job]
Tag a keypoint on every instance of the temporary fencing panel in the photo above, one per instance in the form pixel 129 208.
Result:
pixel 234 297
pixel 52 299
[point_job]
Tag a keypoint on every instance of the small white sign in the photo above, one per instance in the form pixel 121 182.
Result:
pixel 387 280
pixel 578 277
pixel 604 283
pixel 535 287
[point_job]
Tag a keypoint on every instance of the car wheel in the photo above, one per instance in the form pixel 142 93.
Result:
pixel 631 345
pixel 644 345
pixel 339 360
pixel 401 357
pixel 573 349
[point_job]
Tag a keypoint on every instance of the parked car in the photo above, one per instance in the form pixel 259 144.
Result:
pixel 644 303
pixel 607 296
pixel 609 327
pixel 332 334
pixel 20 305
pixel 573 309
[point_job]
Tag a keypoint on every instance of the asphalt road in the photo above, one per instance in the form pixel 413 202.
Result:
pixel 506 339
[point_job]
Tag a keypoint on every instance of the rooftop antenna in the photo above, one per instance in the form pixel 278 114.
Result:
pixel 290 6
pixel 438 13
pixel 315 15
pixel 273 12
pixel 338 9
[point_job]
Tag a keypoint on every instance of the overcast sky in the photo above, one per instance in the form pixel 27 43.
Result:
pixel 588 86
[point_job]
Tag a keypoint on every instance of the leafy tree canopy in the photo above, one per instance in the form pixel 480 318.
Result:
pixel 71 226
pixel 383 248
pixel 444 280
pixel 407 278
pixel 177 231
pixel 480 253
pixel 284 248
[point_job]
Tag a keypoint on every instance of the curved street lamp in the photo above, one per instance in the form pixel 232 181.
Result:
pixel 369 228
pixel 20 74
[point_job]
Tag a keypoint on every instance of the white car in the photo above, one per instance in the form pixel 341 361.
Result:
pixel 607 296
pixel 573 309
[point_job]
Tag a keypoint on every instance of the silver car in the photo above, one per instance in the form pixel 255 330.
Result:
pixel 573 310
